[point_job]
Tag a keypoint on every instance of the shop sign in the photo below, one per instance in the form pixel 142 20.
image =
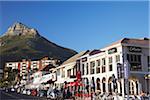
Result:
pixel 126 69
pixel 134 49
pixel 112 50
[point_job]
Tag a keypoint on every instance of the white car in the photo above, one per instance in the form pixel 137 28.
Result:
pixel 28 92
pixel 6 90
pixel 12 89
pixel 24 92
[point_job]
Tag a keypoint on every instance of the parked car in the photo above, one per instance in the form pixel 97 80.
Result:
pixel 24 92
pixel 12 89
pixel 34 92
pixel 28 92
pixel 54 94
pixel 7 89
pixel 43 93
pixel 51 95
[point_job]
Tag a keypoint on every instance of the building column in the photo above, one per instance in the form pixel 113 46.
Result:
pixel 135 89
pixel 138 87
pixel 101 86
pixel 106 86
pixel 95 82
pixel 118 87
pixel 123 87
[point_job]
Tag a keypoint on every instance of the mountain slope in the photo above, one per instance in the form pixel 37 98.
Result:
pixel 22 42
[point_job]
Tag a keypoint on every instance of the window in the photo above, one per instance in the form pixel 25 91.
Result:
pixel 78 65
pixel 131 58
pixel 103 65
pixel 98 62
pixel 63 73
pixel 134 58
pixel 110 59
pixel 130 87
pixel 82 69
pixel 73 71
pixel 98 66
pixel 110 67
pixel 58 71
pixel 87 68
pixel 97 69
pixel 68 72
pixel 103 61
pixel 135 62
pixel 110 63
pixel 117 58
pixel 139 58
pixel 103 69
pixel 92 65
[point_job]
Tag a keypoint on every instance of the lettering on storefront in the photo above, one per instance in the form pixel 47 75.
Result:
pixel 112 50
pixel 134 49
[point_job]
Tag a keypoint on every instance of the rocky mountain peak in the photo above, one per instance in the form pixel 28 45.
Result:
pixel 20 29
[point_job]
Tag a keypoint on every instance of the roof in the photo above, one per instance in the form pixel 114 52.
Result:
pixel 46 67
pixel 143 41
pixel 73 58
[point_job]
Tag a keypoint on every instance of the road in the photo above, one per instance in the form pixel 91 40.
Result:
pixel 15 96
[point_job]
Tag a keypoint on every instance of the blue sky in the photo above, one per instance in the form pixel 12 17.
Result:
pixel 79 25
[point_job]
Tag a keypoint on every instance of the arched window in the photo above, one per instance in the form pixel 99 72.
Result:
pixel 104 84
pixel 93 84
pixel 120 88
pixel 136 83
pixel 87 84
pixel 129 87
pixel 110 85
pixel 132 88
pixel 98 83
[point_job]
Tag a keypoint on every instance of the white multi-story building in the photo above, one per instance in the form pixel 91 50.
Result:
pixel 13 65
pixel 103 69
pixel 27 67
pixel 66 71
pixel 35 65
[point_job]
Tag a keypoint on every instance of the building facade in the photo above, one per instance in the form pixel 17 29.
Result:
pixel 26 68
pixel 104 69
pixel 66 71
